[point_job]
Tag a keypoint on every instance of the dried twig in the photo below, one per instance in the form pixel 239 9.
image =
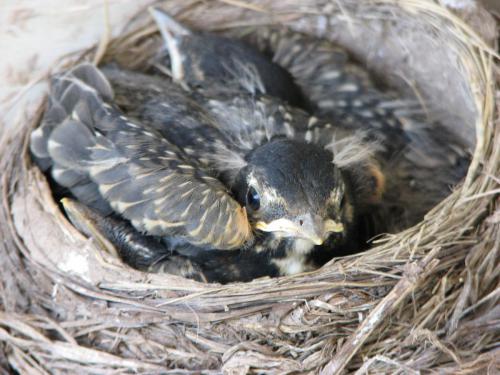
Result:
pixel 414 273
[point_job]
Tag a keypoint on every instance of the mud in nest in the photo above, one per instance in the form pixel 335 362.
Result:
pixel 422 299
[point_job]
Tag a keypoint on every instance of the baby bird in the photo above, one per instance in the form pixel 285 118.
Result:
pixel 205 178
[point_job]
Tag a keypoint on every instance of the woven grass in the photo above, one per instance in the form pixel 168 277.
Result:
pixel 426 299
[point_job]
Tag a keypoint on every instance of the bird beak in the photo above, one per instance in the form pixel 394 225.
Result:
pixel 314 229
pixel 172 32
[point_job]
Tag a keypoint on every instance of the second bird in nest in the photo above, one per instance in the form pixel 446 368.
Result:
pixel 219 175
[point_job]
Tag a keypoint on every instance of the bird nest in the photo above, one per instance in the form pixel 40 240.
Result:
pixel 422 299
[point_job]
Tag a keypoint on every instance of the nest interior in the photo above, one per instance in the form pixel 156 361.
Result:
pixel 424 299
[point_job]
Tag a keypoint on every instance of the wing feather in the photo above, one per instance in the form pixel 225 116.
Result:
pixel 144 177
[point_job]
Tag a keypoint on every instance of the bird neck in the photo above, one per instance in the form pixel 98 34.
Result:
pixel 291 255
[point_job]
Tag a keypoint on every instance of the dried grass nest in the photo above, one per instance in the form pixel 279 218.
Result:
pixel 424 299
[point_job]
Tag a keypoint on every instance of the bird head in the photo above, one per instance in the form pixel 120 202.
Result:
pixel 291 189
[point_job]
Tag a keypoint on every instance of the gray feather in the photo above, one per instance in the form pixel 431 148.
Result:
pixel 69 144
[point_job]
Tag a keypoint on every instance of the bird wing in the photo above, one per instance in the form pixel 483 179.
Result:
pixel 324 71
pixel 143 176
pixel 155 101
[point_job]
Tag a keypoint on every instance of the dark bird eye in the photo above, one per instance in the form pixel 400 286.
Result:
pixel 253 199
